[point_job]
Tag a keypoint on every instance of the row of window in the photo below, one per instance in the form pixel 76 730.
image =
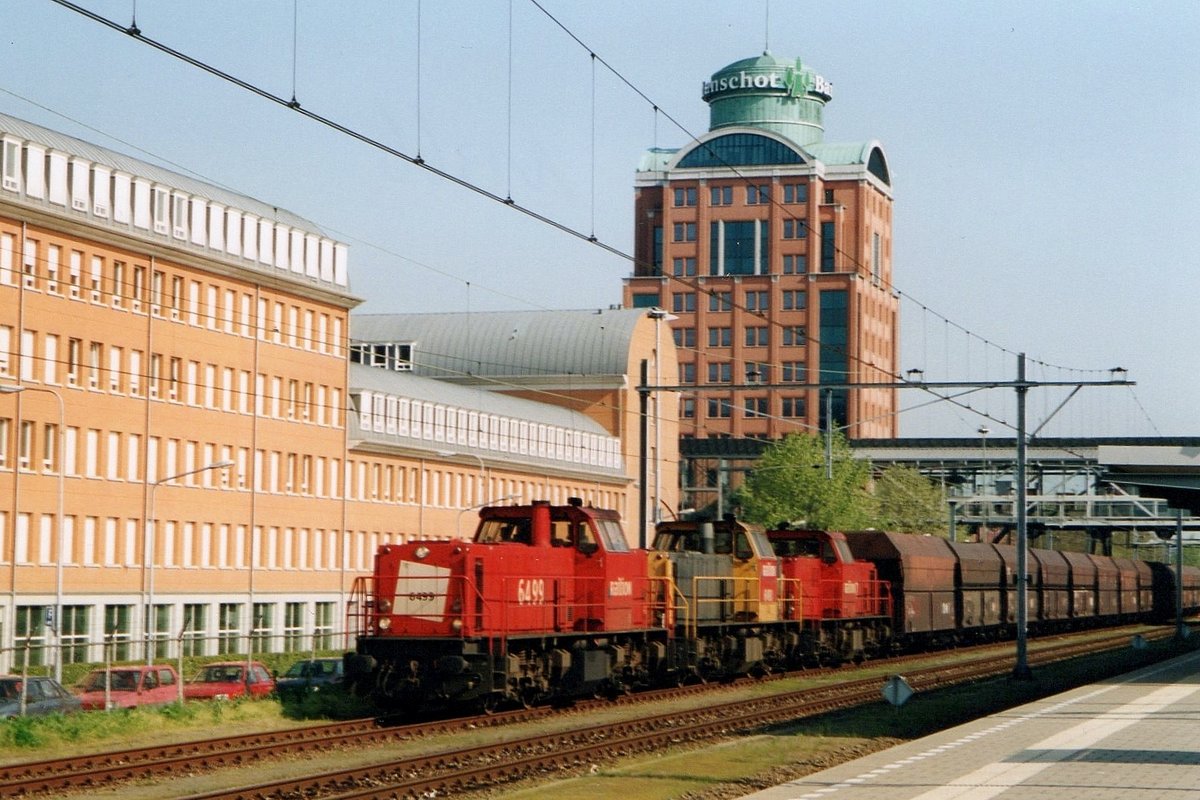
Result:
pixel 114 456
pixel 434 422
pixel 753 336
pixel 142 288
pixel 99 367
pixel 685 267
pixel 108 195
pixel 752 407
pixel 108 632
pixel 755 372
pixel 94 541
pixel 742 247
pixel 755 194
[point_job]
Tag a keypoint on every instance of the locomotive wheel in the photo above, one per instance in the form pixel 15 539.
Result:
pixel 491 703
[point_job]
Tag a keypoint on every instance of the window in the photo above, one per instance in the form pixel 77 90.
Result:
pixel 794 229
pixel 719 408
pixel 757 372
pixel 12 165
pixel 740 149
pixel 687 372
pixel 685 232
pixel 754 406
pixel 229 623
pixel 794 300
pixel 758 336
pixel 720 337
pixel 828 196
pixel 118 283
pixel 758 301
pixel 792 407
pixel 738 247
pixel 793 372
pixel 645 300
pixel 758 195
pixel 194 625
pixel 720 301
pixel 30 637
pixel 685 337
pixel 793 336
pixel 720 372
pixel 293 627
pixel 876 259
pixel 795 193
pixel 160 629
pixel 828 246
pixel 685 267
pixel 683 302
pixel 688 408
pixel 323 626
pixel 685 196
pixel 389 355
pixel 73 630
pixel 720 196
pixel 795 265
pixel 260 632
pixel 118 631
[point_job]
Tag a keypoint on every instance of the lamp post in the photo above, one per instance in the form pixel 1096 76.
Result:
pixel 983 432
pixel 483 476
pixel 62 471
pixel 148 551
pixel 658 315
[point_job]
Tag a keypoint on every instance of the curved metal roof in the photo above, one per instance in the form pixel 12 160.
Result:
pixel 527 344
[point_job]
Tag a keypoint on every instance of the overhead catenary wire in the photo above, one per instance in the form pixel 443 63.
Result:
pixel 418 160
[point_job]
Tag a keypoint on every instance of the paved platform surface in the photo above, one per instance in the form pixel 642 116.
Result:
pixel 1134 737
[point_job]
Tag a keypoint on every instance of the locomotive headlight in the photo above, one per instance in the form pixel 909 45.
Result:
pixel 384 623
pixel 421 552
pixel 456 625
pixel 383 605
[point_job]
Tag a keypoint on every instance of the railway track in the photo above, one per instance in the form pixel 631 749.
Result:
pixel 460 770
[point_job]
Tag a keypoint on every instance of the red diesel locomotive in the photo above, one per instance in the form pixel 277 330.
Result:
pixel 548 603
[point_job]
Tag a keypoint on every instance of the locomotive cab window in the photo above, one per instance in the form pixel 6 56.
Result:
pixel 612 536
pixel 504 530
pixel 741 547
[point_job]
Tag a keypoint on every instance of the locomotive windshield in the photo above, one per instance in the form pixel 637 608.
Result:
pixel 613 536
pixel 505 530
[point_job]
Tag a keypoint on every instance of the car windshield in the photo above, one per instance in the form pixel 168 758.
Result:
pixel 122 681
pixel 219 674
pixel 10 690
pixel 298 670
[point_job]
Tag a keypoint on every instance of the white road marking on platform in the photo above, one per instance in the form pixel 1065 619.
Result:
pixel 992 779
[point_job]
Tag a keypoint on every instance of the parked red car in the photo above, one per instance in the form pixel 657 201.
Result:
pixel 129 687
pixel 227 680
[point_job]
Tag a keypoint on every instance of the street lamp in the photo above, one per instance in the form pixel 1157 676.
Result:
pixel 148 551
pixel 62 471
pixel 483 467
pixel 983 432
pixel 658 315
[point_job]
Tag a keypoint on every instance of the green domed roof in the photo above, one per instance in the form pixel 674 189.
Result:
pixel 769 92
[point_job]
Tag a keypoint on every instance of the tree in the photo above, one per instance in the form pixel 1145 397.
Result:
pixel 908 502
pixel 790 484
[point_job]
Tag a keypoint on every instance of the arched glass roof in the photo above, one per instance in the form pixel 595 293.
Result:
pixel 740 149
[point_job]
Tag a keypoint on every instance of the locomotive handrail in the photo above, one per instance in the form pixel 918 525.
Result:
pixel 730 601
pixel 670 610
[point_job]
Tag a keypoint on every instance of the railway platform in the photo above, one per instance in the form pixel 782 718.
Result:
pixel 1132 737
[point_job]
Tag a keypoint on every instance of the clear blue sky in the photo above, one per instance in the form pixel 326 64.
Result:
pixel 1044 156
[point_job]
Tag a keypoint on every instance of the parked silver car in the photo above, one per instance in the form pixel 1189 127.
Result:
pixel 42 696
